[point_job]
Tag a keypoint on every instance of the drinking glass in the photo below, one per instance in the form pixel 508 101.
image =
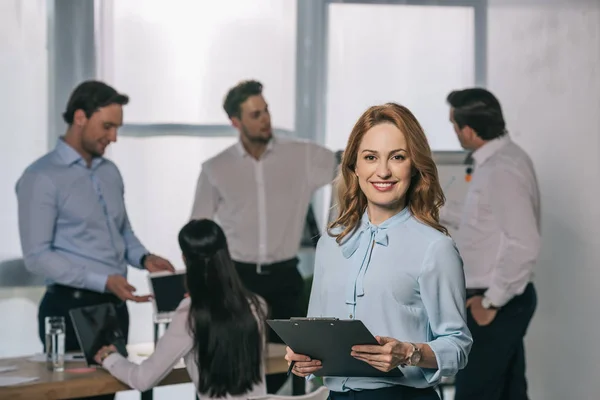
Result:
pixel 55 343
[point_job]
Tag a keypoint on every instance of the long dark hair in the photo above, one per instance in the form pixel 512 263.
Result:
pixel 227 337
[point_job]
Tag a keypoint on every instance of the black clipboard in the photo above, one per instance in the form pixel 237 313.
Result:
pixel 330 340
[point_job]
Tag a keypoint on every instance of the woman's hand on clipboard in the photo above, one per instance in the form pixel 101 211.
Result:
pixel 390 353
pixel 301 365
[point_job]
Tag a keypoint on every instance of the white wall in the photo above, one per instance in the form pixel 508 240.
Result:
pixel 544 65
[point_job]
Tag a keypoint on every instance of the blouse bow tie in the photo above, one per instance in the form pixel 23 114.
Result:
pixel 367 232
pixel 365 239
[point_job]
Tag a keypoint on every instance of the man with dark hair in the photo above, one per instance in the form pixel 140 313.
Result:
pixel 499 240
pixel 73 224
pixel 259 190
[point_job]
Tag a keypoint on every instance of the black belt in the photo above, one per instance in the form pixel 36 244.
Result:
pixel 83 294
pixel 265 269
pixel 475 292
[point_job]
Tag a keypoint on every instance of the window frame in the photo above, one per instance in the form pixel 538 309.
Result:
pixel 103 43
pixel 71 61
pixel 313 19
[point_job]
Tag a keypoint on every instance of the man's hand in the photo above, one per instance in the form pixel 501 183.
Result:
pixel 388 355
pixel 483 316
pixel 154 263
pixel 118 285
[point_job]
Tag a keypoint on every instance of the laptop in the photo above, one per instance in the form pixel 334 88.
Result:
pixel 168 290
pixel 95 327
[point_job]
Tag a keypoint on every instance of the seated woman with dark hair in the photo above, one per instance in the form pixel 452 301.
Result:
pixel 218 330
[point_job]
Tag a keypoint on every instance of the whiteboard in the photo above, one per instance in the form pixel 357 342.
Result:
pixel 452 172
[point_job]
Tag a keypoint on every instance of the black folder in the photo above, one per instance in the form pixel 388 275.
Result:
pixel 330 340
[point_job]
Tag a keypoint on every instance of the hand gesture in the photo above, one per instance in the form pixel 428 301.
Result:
pixel 303 365
pixel 118 285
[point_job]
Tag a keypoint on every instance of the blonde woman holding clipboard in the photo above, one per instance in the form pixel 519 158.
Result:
pixel 388 262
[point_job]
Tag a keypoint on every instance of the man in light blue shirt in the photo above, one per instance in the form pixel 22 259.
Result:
pixel 73 223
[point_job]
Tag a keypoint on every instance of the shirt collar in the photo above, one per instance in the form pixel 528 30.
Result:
pixel 242 151
pixel 482 154
pixel 70 156
pixel 378 232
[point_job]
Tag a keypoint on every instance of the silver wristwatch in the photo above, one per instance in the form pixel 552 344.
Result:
pixel 414 357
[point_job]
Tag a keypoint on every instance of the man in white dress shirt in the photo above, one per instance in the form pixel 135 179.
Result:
pixel 259 191
pixel 499 240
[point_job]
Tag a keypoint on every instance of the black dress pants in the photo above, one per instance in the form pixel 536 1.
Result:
pixel 281 285
pixel 496 367
pixel 57 302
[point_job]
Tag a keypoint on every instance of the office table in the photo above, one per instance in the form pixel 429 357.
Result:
pixel 66 385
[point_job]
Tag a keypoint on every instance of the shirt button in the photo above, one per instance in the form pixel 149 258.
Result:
pixel 350 315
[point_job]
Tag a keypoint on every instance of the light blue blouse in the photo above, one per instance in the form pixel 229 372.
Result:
pixel 404 280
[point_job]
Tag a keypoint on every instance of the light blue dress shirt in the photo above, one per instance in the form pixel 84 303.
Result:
pixel 72 220
pixel 404 280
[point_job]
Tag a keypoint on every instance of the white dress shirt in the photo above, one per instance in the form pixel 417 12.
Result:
pixel 175 344
pixel 262 204
pixel 499 232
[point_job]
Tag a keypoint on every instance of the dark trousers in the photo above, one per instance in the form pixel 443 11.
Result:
pixel 398 392
pixel 496 367
pixel 57 302
pixel 281 285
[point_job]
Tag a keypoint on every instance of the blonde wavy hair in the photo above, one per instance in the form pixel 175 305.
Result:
pixel 424 196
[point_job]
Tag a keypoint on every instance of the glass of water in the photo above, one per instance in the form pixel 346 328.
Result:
pixel 55 343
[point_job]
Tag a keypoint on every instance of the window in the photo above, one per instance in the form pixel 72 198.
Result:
pixel 160 175
pixel 177 59
pixel 412 55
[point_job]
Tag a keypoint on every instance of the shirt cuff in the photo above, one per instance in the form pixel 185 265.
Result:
pixel 95 281
pixel 134 257
pixel 111 360
pixel 496 297
pixel 448 360
pixel 433 375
